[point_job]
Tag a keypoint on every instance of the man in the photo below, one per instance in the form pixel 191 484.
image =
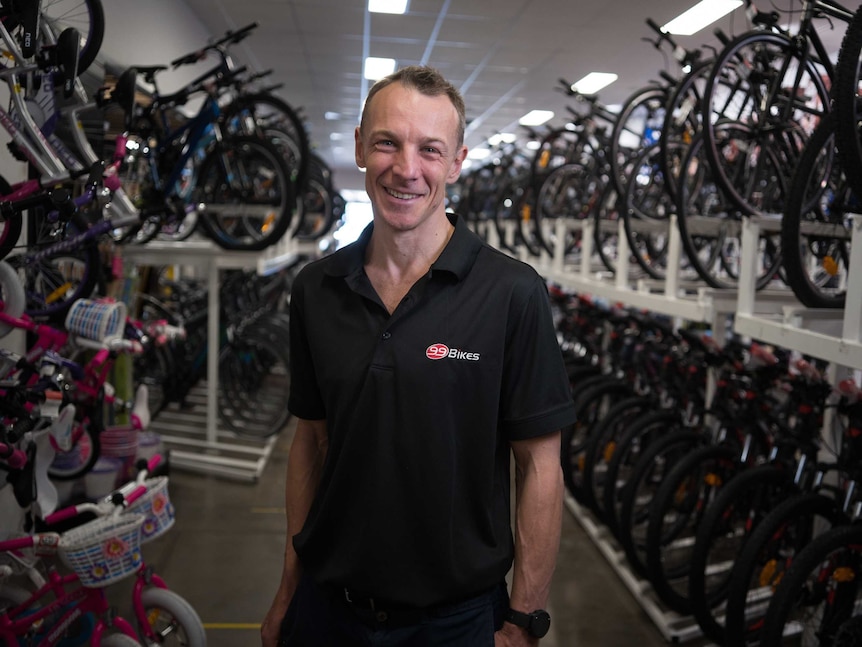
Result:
pixel 421 360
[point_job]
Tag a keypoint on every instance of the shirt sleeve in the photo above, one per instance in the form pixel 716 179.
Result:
pixel 305 400
pixel 536 395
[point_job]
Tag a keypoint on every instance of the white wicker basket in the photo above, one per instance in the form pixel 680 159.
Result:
pixel 104 550
pixel 156 506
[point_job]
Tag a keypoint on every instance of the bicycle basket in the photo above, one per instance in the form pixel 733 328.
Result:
pixel 97 320
pixel 104 550
pixel 156 506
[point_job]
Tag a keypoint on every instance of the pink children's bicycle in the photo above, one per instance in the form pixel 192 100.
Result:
pixel 99 553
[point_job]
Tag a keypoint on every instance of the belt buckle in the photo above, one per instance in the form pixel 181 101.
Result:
pixel 350 601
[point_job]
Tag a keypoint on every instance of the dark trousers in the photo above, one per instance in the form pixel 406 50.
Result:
pixel 324 618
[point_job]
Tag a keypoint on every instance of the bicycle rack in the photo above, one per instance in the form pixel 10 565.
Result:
pixel 770 315
pixel 194 437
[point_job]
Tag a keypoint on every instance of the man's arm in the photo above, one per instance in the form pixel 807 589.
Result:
pixel 304 466
pixel 538 519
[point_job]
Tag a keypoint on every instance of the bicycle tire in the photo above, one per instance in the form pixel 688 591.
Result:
pixel 11 294
pixel 821 589
pixel 77 461
pixel 590 399
pixel 10 227
pixel 87 16
pixel 257 214
pixel 261 105
pixel 675 516
pixel 254 375
pixel 727 524
pixel 173 620
pixel 711 228
pixel 845 101
pixel 639 493
pixel 815 265
pixel 637 126
pixel 635 440
pixel 767 555
pixel 601 447
pixel 119 640
pixel 646 213
pixel 733 94
pixel 317 213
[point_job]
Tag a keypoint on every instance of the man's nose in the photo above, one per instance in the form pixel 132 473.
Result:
pixel 407 163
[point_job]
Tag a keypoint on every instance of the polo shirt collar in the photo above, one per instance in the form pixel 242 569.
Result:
pixel 456 258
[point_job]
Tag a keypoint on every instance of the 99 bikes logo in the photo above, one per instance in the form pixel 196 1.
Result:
pixel 442 351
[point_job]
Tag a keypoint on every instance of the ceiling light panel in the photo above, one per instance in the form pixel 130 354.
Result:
pixel 593 82
pixel 376 68
pixel 701 15
pixel 388 6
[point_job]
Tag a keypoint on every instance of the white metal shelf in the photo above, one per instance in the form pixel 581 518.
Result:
pixel 196 442
pixel 772 316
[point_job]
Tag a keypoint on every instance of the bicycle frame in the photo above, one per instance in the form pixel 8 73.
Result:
pixel 16 622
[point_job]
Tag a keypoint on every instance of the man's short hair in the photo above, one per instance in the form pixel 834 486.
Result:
pixel 427 81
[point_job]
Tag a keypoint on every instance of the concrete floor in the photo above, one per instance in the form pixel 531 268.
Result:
pixel 224 555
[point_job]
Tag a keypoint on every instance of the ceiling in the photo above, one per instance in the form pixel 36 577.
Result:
pixel 506 56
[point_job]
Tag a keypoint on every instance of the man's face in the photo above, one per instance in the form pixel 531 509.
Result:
pixel 410 151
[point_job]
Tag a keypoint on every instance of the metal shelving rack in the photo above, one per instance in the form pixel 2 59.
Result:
pixel 772 316
pixel 196 440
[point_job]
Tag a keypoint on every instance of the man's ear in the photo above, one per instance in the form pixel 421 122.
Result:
pixel 359 152
pixel 455 171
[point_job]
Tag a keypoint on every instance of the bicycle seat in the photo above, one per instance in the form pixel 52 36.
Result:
pixel 149 71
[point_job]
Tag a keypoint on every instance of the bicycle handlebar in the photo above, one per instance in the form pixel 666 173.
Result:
pixel 230 38
pixel 12 456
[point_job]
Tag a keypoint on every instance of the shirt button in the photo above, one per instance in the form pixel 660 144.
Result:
pixel 382 616
pixel 386 335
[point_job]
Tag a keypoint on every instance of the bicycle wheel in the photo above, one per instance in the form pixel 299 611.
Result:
pixel 762 101
pixel 635 440
pixel 119 640
pixel 254 375
pixel 817 226
pixel 87 16
pixel 646 213
pixel 592 399
pixel 56 274
pixel 821 590
pixel 638 496
pixel 171 620
pixel 10 227
pixel 846 102
pixel 765 558
pixel 248 198
pixel 676 515
pixel 602 446
pixel 77 461
pixel 711 227
pixel 637 126
pixel 266 115
pixel 728 523
pixel 11 295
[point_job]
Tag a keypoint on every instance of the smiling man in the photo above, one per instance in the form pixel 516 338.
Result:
pixel 422 361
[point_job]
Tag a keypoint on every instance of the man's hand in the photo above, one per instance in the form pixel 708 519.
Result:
pixel 512 636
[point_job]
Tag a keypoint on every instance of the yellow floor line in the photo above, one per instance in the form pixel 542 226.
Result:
pixel 231 625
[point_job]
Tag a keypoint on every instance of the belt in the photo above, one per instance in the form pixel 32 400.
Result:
pixel 378 613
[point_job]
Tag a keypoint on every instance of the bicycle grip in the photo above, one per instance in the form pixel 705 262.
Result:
pixel 654 25
pixel 43 540
pixel 61 515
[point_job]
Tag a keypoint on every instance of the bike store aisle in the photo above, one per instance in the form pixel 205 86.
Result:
pixel 224 556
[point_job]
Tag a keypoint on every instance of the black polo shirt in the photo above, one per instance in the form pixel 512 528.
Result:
pixel 413 504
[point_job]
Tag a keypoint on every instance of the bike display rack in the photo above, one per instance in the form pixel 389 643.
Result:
pixel 196 440
pixel 772 316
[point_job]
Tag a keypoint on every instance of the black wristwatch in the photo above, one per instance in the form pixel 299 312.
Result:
pixel 536 623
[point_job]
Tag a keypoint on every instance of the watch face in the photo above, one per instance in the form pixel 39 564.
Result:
pixel 540 622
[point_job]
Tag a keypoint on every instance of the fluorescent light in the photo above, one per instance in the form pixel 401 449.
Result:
pixel 332 116
pixel 502 138
pixel 702 14
pixel 536 117
pixel 478 153
pixel 387 6
pixel 533 145
pixel 593 82
pixel 377 68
